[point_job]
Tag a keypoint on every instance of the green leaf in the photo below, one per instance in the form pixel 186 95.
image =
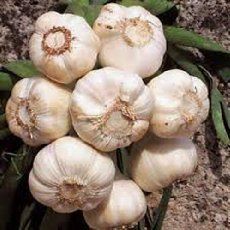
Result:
pixel 4 133
pixel 184 37
pixel 159 6
pixel 162 209
pixel 5 81
pixel 2 120
pixel 185 61
pixel 155 6
pixel 217 116
pixel 99 2
pixel 22 68
pixel 91 13
pixel 226 112
pixel 224 72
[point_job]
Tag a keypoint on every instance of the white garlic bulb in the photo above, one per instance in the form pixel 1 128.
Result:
pixel 68 175
pixel 132 39
pixel 63 47
pixel 125 206
pixel 180 105
pixel 156 163
pixel 38 111
pixel 111 108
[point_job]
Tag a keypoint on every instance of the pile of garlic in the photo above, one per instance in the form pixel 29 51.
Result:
pixel 109 108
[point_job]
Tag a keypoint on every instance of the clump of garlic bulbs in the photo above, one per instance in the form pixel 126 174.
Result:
pixel 63 47
pixel 156 163
pixel 180 105
pixel 132 39
pixel 38 111
pixel 68 175
pixel 111 108
pixel 125 206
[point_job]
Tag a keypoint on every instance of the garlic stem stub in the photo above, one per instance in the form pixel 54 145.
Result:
pixel 38 111
pixel 180 105
pixel 63 47
pixel 110 108
pixel 68 175
pixel 132 39
pixel 155 163
pixel 125 206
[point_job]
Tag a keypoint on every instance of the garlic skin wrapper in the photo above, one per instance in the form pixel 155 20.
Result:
pixel 155 163
pixel 132 39
pixel 38 111
pixel 63 46
pixel 110 108
pixel 123 209
pixel 180 105
pixel 69 174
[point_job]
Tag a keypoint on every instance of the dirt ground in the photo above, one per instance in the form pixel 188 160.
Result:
pixel 201 202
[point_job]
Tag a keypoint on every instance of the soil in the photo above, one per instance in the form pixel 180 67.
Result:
pixel 201 202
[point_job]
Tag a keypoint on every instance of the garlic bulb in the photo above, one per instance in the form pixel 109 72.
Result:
pixel 63 47
pixel 68 175
pixel 132 39
pixel 38 111
pixel 180 105
pixel 111 108
pixel 125 206
pixel 156 163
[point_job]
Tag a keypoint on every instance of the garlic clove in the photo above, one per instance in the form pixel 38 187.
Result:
pixel 125 206
pixel 38 111
pixel 67 175
pixel 180 105
pixel 155 163
pixel 111 108
pixel 132 39
pixel 57 46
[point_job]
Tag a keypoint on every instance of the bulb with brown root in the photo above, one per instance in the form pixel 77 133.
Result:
pixel 132 39
pixel 38 111
pixel 111 108
pixel 63 46
pixel 68 175
pixel 180 104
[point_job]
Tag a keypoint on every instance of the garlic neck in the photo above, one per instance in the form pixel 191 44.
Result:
pixel 136 32
pixel 25 116
pixel 56 41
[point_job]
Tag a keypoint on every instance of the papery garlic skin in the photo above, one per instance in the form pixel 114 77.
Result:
pixel 180 105
pixel 111 108
pixel 123 209
pixel 155 163
pixel 63 46
pixel 38 111
pixel 132 39
pixel 68 175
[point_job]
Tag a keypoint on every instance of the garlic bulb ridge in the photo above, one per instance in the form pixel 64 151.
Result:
pixel 125 206
pixel 68 175
pixel 132 39
pixel 63 47
pixel 38 111
pixel 180 105
pixel 155 163
pixel 111 108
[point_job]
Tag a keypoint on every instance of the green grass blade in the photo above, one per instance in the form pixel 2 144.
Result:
pixel 22 68
pixel 184 37
pixel 162 209
pixel 217 116
pixel 5 81
pixel 182 58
